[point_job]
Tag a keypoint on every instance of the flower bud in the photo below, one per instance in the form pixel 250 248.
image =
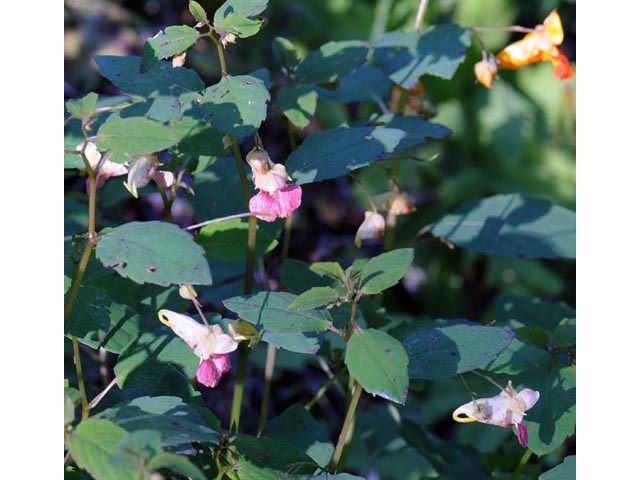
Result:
pixel 227 38
pixel 371 228
pixel 243 330
pixel 401 203
pixel 485 71
pixel 178 60
pixel 140 172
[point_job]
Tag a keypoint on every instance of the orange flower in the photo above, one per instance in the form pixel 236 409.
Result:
pixel 540 45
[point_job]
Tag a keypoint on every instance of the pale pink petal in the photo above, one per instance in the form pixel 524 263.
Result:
pixel 163 178
pixel 211 371
pixel 529 396
pixel 280 203
pixel 523 436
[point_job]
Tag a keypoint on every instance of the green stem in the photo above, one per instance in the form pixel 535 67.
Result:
pixel 77 279
pixel 390 232
pixel 380 19
pixel 347 430
pixel 241 172
pixel 320 393
pixel 268 378
pixel 521 465
pixel 422 10
pixel 167 204
pixel 223 63
pixel 83 393
pixel 238 390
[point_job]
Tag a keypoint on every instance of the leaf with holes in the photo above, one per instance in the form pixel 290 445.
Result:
pixel 175 39
pixel 334 153
pixel 406 56
pixel 511 225
pixel 379 363
pixel 444 352
pixel 269 310
pixel 154 252
pixel 135 136
pixel 236 105
pixel 385 270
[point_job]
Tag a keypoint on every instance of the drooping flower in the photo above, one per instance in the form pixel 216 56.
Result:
pixel 178 60
pixel 486 70
pixel 142 170
pixel 371 228
pixel 210 344
pixel 505 410
pixel 108 168
pixel 275 196
pixel 540 45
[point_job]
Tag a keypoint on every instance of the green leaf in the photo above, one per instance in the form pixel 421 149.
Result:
pixel 154 252
pixel 532 311
pixel 297 427
pixel 244 8
pixel 298 342
pixel 364 84
pixel 270 459
pixel 159 362
pixel 329 269
pixel 298 276
pixel 519 357
pixel 175 39
pixel 179 464
pixel 438 51
pixel 197 11
pixel 385 270
pixel 511 225
pixel 332 61
pixel 417 128
pixel 553 418
pixel 135 136
pixel 565 471
pixel 565 333
pixel 227 241
pixel 298 103
pixel 314 297
pixel 379 363
pixel 269 310
pixel 177 422
pixel 238 25
pixel 91 445
pixel 284 52
pixel 161 80
pixel 338 476
pixel 236 105
pixel 334 153
pixel 444 352
pixel 83 108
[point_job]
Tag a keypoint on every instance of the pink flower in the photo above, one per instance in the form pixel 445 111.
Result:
pixel 505 410
pixel 275 196
pixel 108 168
pixel 210 344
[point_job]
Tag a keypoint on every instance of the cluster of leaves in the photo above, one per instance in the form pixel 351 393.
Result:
pixel 157 422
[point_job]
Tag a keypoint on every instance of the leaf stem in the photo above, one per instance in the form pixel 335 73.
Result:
pixel 523 461
pixel 511 28
pixel 320 393
pixel 268 378
pixel 83 392
pixel 238 389
pixel 347 430
pixel 366 192
pixel 228 217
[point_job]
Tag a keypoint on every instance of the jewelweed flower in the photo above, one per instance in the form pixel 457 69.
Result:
pixel 108 168
pixel 275 196
pixel 209 343
pixel 504 410
pixel 486 70
pixel 401 203
pixel 540 45
pixel 142 170
pixel 371 228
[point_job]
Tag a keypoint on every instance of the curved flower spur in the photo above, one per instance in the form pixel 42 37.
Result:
pixel 209 343
pixel 504 410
